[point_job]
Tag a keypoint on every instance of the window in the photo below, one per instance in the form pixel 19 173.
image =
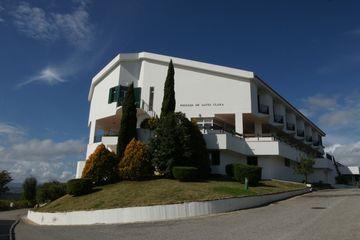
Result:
pixel 252 161
pixel 113 94
pixel 151 98
pixel 117 94
pixel 214 157
pixel 287 162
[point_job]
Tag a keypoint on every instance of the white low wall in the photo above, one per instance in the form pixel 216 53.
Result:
pixel 158 212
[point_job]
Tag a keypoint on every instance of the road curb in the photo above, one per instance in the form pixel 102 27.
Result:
pixel 11 230
pixel 159 212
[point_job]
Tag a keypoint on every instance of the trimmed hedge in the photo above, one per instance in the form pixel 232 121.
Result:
pixel 78 187
pixel 252 173
pixel 186 173
pixel 229 169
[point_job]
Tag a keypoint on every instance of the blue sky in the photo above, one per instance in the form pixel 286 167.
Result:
pixel 309 51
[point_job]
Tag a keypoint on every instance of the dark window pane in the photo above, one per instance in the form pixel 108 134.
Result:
pixel 215 157
pixel 252 160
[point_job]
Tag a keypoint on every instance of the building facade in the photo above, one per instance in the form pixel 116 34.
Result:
pixel 243 120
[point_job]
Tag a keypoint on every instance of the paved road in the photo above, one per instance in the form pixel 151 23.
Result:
pixel 6 220
pixel 331 214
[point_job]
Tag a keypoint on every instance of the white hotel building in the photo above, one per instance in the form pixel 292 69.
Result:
pixel 242 118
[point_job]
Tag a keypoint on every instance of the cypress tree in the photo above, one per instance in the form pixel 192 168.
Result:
pixel 168 104
pixel 128 121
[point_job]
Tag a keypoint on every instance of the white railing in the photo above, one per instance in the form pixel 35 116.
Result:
pixel 149 110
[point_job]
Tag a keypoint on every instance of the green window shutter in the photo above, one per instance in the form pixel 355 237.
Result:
pixel 113 94
pixel 137 93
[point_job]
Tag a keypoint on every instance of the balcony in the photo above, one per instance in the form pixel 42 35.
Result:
pixel 300 133
pixel 308 139
pixel 264 109
pixel 278 119
pixel 272 146
pixel 290 127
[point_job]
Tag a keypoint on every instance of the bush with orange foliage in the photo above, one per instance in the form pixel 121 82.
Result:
pixel 102 166
pixel 135 165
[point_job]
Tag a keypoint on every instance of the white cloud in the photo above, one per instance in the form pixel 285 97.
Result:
pixel 33 22
pixel 43 158
pixel 74 27
pixel 336 111
pixel 49 76
pixel 348 154
pixel 321 101
pixel 339 116
pixel 7 129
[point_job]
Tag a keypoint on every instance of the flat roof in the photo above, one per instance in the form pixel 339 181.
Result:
pixel 123 57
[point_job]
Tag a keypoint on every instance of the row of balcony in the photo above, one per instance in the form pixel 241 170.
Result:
pixel 289 127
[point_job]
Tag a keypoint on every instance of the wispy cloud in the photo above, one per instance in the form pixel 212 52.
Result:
pixel 348 154
pixel 74 26
pixel 49 76
pixel 339 115
pixel 45 159
pixel 1 10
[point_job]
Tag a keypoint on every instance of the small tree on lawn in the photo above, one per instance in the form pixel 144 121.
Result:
pixel 102 166
pixel 164 146
pixel 29 189
pixel 5 178
pixel 128 121
pixel 168 103
pixel 305 167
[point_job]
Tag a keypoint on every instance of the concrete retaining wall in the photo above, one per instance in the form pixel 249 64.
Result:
pixel 158 212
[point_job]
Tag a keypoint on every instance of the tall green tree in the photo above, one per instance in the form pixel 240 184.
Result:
pixel 5 178
pixel 168 104
pixel 29 189
pixel 178 142
pixel 305 167
pixel 128 121
pixel 165 149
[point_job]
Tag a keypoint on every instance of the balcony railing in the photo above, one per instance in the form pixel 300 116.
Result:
pixel 263 109
pixel 300 133
pixel 278 118
pixel 308 139
pixel 290 126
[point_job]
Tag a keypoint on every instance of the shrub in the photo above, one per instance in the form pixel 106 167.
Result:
pixel 229 169
pixel 29 189
pixel 341 179
pixel 102 166
pixel 178 142
pixel 78 187
pixel 252 173
pixel 150 123
pixel 185 173
pixel 135 165
pixel 50 191
pixel 17 204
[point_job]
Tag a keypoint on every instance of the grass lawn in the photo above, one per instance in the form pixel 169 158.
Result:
pixel 162 191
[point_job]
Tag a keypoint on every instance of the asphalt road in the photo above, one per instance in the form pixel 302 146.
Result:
pixel 330 214
pixel 6 220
